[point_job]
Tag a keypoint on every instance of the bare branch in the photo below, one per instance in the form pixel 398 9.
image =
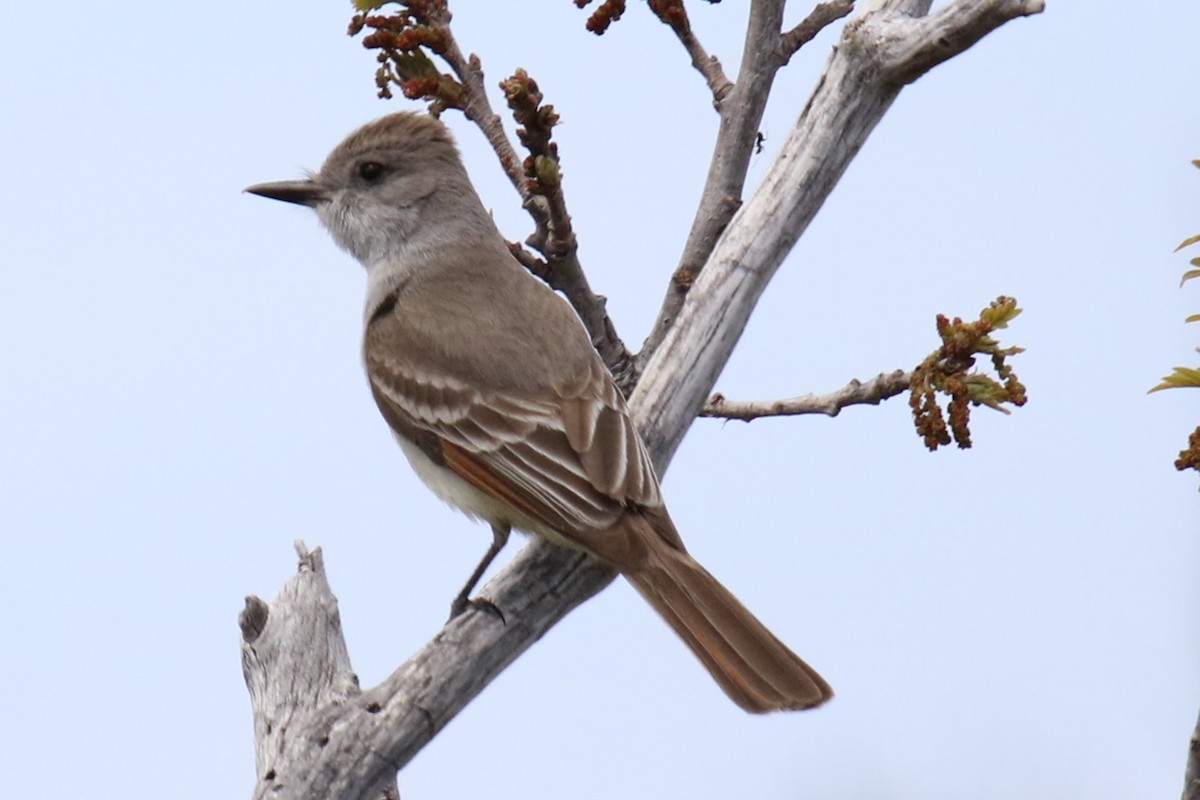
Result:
pixel 317 735
pixel 672 13
pixel 479 110
pixel 850 99
pixel 879 388
pixel 529 261
pixel 952 29
pixel 817 20
pixel 741 111
pixel 302 689
pixel 906 44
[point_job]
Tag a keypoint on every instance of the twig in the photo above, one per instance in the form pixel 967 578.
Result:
pixel 874 391
pixel 950 371
pixel 817 20
pixel 673 14
pixel 765 51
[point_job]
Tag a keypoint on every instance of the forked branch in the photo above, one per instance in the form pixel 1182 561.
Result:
pixel 304 695
pixel 872 392
pixel 741 110
pixel 850 99
pixel 319 736
pixel 673 14
pixel 817 20
pixel 940 36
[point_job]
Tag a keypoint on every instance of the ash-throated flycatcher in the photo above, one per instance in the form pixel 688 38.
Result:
pixel 502 405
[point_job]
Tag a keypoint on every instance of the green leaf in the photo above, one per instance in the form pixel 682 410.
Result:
pixel 1191 273
pixel 369 5
pixel 1188 241
pixel 1181 377
pixel 1000 313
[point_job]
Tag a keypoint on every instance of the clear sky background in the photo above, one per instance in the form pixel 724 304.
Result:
pixel 182 397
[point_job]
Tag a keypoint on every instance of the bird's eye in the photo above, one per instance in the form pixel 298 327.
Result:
pixel 370 170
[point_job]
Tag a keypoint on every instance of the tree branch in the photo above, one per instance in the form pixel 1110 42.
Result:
pixel 317 735
pixel 879 388
pixel 302 689
pixel 850 99
pixel 674 15
pixel 741 111
pixel 817 20
pixel 952 29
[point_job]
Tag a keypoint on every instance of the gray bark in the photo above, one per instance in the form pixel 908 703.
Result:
pixel 1191 777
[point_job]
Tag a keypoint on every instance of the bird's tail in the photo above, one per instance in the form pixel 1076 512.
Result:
pixel 755 669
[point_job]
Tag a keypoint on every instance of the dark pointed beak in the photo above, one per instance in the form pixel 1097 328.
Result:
pixel 305 193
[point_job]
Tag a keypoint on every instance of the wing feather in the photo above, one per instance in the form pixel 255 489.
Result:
pixel 570 460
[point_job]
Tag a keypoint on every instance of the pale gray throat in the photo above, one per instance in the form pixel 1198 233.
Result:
pixel 426 248
pixel 384 277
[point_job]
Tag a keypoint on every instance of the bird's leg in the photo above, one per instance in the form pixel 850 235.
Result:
pixel 463 600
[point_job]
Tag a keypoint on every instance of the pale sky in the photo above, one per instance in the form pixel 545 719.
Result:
pixel 183 397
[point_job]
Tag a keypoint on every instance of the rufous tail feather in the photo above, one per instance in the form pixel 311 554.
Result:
pixel 754 668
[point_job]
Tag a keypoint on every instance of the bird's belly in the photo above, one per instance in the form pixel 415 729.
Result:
pixel 473 502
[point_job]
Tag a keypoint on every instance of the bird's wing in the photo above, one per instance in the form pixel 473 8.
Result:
pixel 567 456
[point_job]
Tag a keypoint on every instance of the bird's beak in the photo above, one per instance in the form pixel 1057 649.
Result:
pixel 305 193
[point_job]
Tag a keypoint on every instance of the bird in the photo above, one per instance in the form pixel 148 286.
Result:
pixel 493 390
